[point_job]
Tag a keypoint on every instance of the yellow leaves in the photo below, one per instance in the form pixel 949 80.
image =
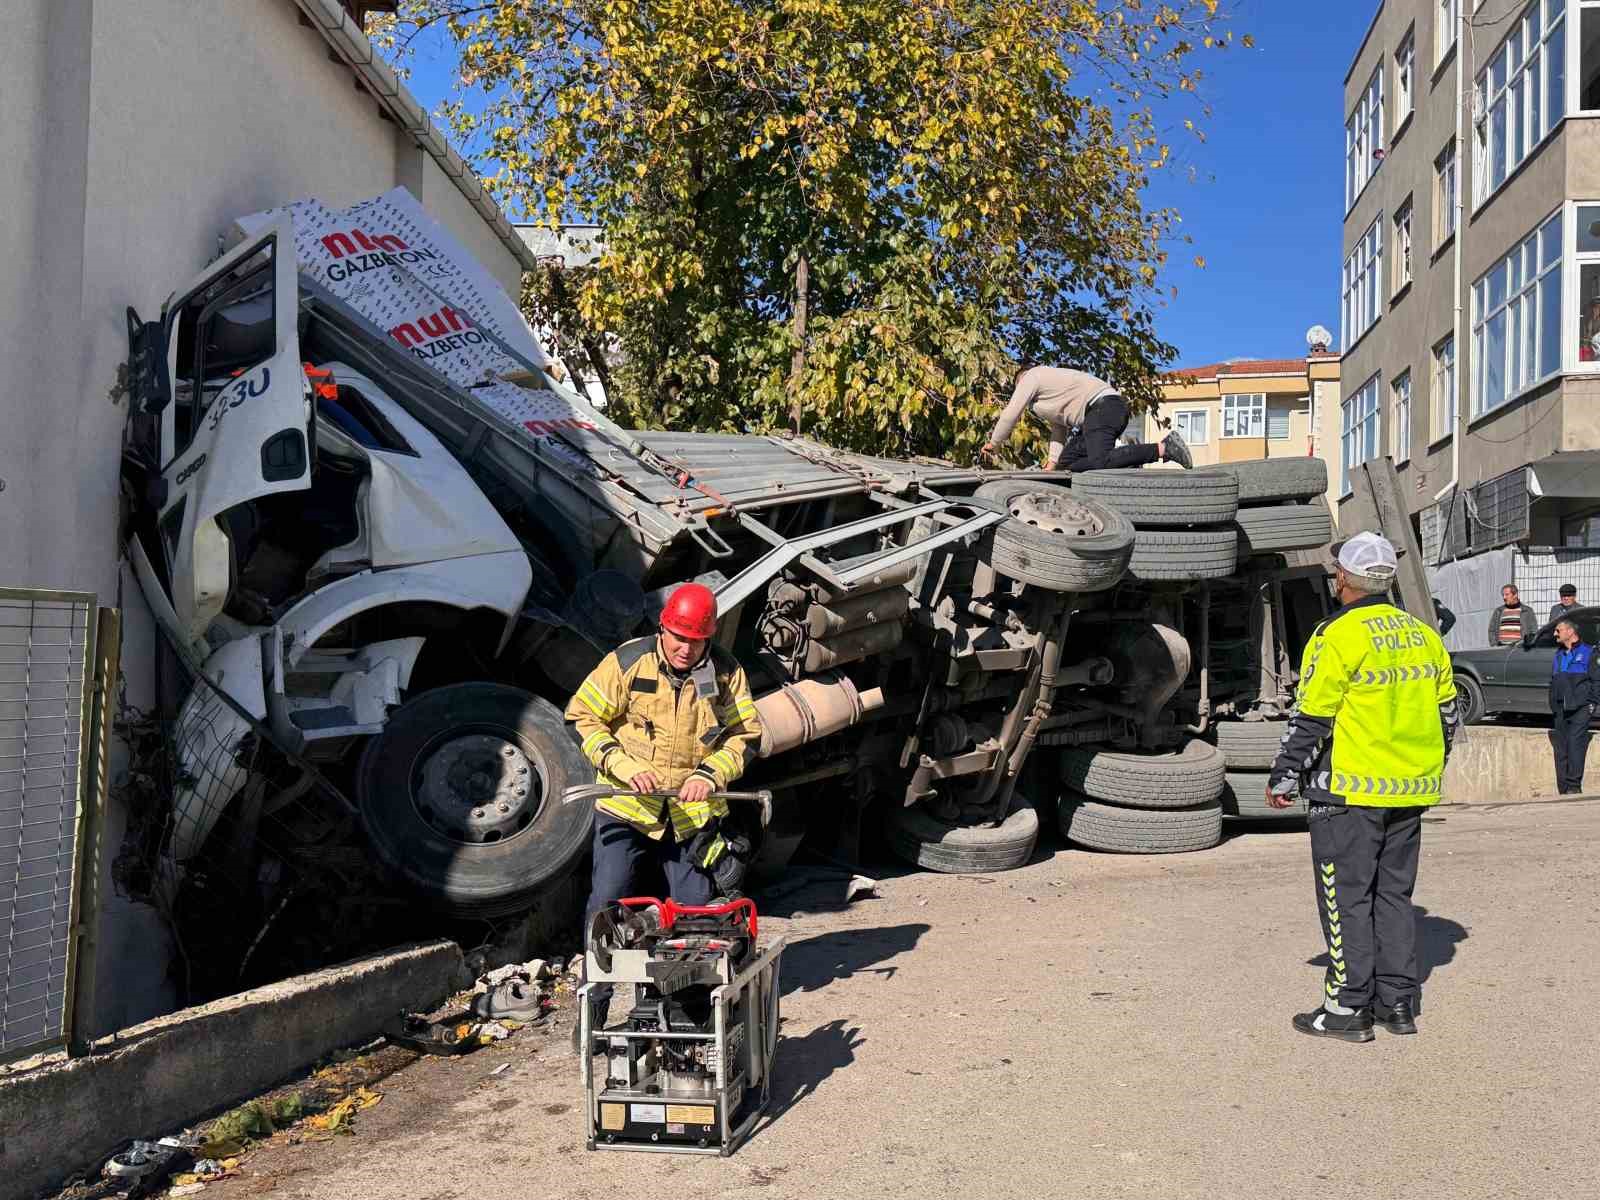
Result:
pixel 1200 261
pixel 340 1117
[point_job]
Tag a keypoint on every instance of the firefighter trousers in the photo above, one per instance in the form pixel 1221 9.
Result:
pixel 624 864
pixel 1365 861
pixel 1569 734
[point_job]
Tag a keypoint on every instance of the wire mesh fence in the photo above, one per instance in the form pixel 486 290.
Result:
pixel 46 648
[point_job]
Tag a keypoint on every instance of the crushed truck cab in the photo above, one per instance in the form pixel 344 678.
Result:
pixel 391 546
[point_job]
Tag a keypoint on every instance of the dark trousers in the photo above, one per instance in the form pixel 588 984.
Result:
pixel 1094 447
pixel 626 862
pixel 1365 861
pixel 1569 734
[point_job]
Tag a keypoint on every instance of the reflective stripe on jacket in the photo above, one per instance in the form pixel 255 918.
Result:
pixel 635 714
pixel 1375 712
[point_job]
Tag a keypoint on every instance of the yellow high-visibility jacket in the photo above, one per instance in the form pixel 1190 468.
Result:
pixel 635 714
pixel 1376 711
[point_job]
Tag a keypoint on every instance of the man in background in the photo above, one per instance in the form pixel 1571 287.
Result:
pixel 1574 695
pixel 1568 602
pixel 1512 620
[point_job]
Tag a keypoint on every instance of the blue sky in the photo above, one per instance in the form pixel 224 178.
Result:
pixel 1261 197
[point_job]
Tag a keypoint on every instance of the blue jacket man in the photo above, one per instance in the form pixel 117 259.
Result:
pixel 1574 696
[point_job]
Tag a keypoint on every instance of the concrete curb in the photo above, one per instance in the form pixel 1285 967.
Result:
pixel 1506 765
pixel 70 1114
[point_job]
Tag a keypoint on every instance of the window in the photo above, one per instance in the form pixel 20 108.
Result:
pixel 1192 425
pixel 1587 325
pixel 1445 181
pixel 1520 95
pixel 1589 57
pixel 1400 418
pixel 1244 416
pixel 1278 423
pixel 1444 387
pixel 1405 77
pixel 1446 16
pixel 1359 425
pixel 1581 532
pixel 1363 139
pixel 1402 245
pixel 1516 320
pixel 1363 284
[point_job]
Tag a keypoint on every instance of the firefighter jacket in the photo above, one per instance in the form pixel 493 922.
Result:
pixel 1574 679
pixel 1376 711
pixel 635 714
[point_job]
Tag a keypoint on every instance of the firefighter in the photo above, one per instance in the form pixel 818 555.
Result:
pixel 1574 695
pixel 668 713
pixel 1373 725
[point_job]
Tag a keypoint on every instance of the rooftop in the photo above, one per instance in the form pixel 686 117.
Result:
pixel 1255 366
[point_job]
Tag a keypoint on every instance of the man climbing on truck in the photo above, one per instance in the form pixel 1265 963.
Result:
pixel 1086 416
pixel 665 714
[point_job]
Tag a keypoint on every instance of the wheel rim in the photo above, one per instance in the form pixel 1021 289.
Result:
pixel 1056 514
pixel 478 788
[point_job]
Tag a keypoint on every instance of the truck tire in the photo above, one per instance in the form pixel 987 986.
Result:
pixel 1054 539
pixel 1249 745
pixel 923 840
pixel 1274 527
pixel 1264 480
pixel 1140 831
pixel 1159 499
pixel 455 751
pixel 1245 797
pixel 1168 779
pixel 1184 555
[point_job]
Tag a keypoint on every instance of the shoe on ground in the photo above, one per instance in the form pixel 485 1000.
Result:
pixel 1178 451
pixel 1319 1022
pixel 1396 1018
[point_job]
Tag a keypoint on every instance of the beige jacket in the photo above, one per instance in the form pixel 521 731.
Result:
pixel 1058 396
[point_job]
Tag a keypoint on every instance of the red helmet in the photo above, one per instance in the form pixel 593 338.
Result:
pixel 691 612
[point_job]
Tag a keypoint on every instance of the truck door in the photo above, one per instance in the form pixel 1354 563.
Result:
pixel 233 415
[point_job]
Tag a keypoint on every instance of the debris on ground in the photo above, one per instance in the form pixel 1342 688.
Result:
pixel 523 992
pixel 340 1117
pixel 828 886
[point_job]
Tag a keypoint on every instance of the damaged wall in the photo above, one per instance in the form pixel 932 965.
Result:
pixel 135 133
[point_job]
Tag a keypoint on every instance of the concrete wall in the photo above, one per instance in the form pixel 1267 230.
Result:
pixel 1491 765
pixel 135 133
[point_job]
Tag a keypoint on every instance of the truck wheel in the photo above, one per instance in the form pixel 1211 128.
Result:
pixel 461 797
pixel 1266 479
pixel 1163 498
pixel 1245 796
pixel 1169 779
pixel 1275 527
pixel 920 838
pixel 1249 745
pixel 1469 699
pixel 1139 831
pixel 1054 539
pixel 1184 555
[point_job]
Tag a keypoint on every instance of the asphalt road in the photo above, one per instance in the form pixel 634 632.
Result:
pixel 1090 1026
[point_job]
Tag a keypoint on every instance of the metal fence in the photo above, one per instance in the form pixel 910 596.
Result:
pixel 52 740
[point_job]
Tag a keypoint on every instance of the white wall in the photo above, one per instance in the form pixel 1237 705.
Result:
pixel 134 134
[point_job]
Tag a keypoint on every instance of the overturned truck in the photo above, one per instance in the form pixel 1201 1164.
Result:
pixel 391 546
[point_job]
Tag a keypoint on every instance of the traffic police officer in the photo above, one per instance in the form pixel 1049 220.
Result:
pixel 1574 695
pixel 1373 724
pixel 669 713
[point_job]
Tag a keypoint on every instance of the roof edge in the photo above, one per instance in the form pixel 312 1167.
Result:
pixel 1362 48
pixel 350 43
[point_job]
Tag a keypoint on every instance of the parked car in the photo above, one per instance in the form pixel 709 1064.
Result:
pixel 1515 678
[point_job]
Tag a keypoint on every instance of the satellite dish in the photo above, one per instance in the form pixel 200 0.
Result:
pixel 1318 339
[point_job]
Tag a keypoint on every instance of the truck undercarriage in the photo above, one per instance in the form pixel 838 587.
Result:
pixel 387 588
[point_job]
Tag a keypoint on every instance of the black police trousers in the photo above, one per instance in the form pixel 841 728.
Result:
pixel 1365 860
pixel 1569 734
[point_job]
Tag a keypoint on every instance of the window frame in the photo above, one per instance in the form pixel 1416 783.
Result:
pixel 1362 279
pixel 1500 95
pixel 1400 418
pixel 1446 166
pixel 1446 19
pixel 1205 417
pixel 1520 291
pixel 1405 247
pixel 1405 79
pixel 1362 405
pixel 1443 403
pixel 1255 411
pixel 1364 138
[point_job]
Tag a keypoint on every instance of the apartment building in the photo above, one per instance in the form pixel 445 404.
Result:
pixel 1470 306
pixel 1255 408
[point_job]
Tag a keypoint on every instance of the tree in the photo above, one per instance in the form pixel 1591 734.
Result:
pixel 856 216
